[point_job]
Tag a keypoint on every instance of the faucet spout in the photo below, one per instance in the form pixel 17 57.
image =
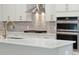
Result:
pixel 5 30
pixel 7 25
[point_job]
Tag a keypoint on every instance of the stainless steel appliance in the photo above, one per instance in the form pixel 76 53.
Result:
pixel 67 29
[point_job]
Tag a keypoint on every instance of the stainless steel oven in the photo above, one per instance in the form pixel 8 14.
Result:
pixel 67 29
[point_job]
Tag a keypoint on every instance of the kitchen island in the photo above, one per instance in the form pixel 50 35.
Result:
pixel 35 46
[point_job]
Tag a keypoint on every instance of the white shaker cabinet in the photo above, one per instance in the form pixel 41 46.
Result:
pixel 29 15
pixel 8 12
pixel 73 7
pixel 50 12
pixel 60 7
pixel 0 12
pixel 67 10
pixel 20 12
pixel 15 12
pixel 67 7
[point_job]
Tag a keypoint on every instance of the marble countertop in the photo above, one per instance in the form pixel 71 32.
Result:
pixel 36 42
pixel 31 33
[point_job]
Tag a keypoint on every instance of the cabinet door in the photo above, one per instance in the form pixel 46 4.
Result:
pixel 29 15
pixel 21 12
pixel 60 7
pixel 8 12
pixel 0 12
pixel 73 7
pixel 50 12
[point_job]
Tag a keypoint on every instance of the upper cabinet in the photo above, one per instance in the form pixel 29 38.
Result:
pixel 29 15
pixel 67 7
pixel 60 7
pixel 50 12
pixel 8 12
pixel 14 12
pixel 67 10
pixel 0 12
pixel 73 7
pixel 20 12
pixel 23 12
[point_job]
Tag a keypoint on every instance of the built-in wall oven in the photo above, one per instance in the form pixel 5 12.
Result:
pixel 67 29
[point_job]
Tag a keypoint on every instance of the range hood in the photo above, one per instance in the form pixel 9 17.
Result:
pixel 37 8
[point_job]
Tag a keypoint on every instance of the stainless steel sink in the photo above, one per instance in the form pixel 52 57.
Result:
pixel 14 38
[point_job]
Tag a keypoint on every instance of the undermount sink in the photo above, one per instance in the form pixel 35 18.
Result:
pixel 15 38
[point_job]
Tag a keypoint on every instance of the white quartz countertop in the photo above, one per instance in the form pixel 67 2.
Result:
pixel 36 41
pixel 31 33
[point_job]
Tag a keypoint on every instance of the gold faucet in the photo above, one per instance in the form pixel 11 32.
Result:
pixel 7 25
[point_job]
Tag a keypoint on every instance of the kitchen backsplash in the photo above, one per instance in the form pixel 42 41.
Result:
pixel 1 26
pixel 20 26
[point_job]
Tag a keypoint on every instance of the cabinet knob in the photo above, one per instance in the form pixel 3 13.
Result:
pixel 20 17
pixel 8 17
